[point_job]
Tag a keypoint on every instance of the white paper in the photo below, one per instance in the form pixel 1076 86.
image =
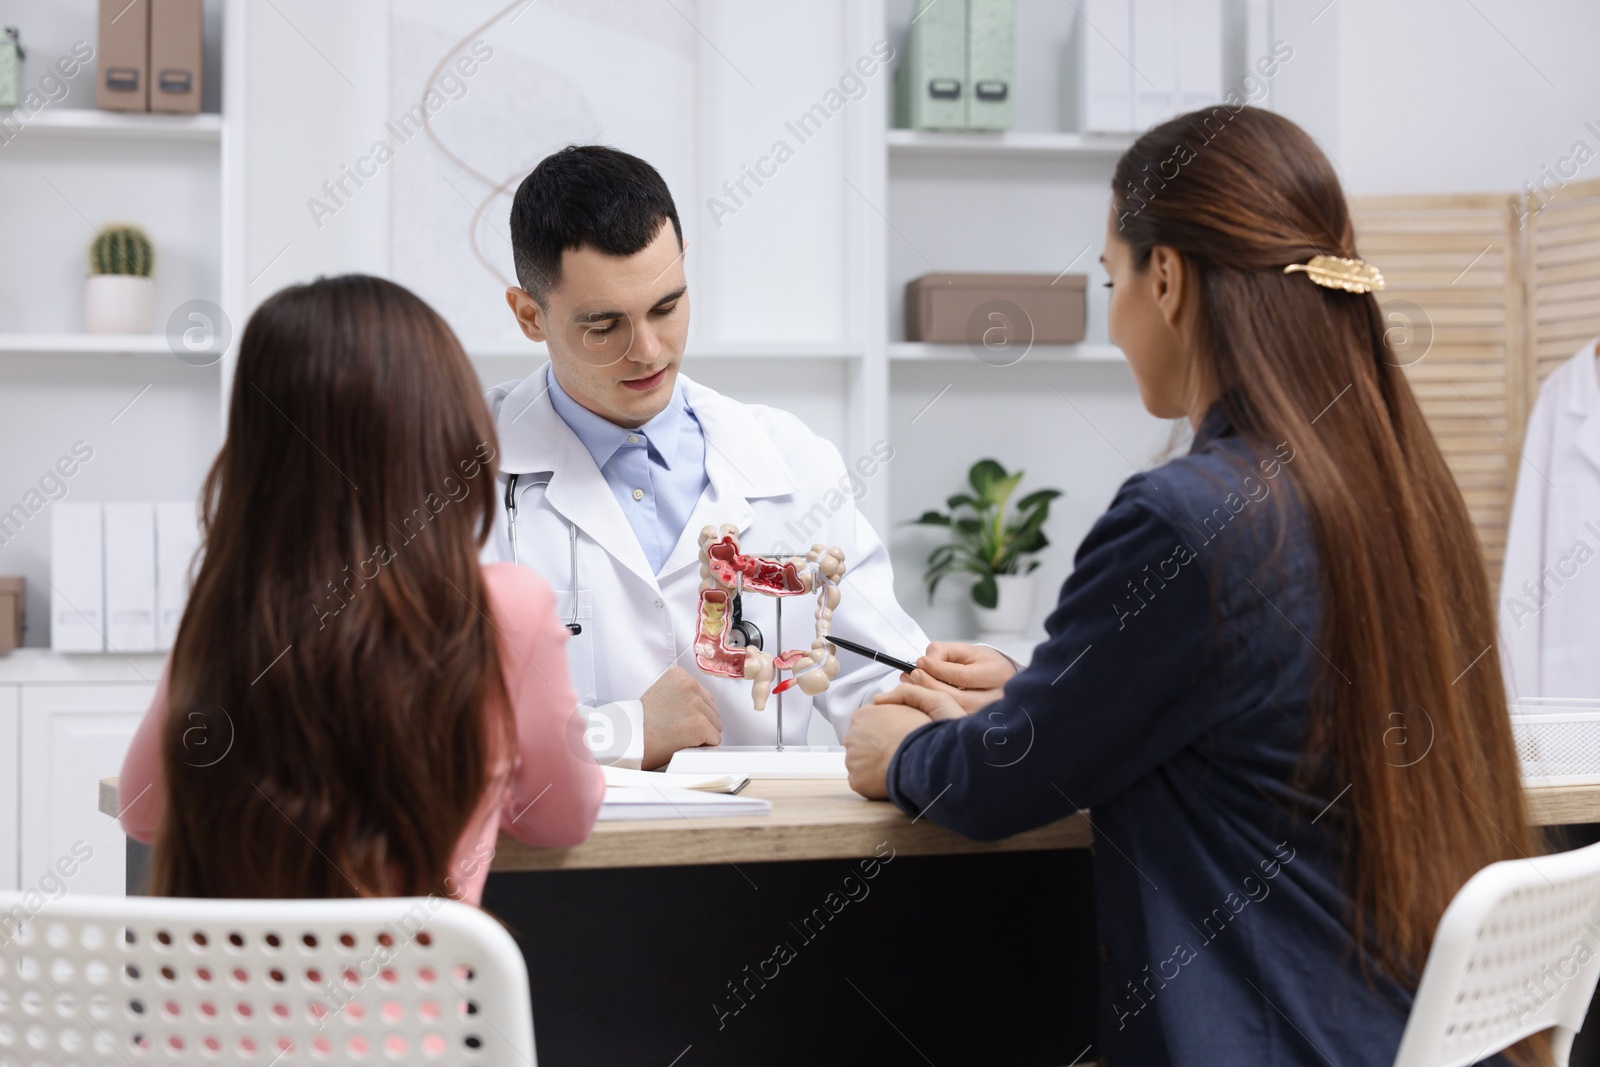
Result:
pixel 77 578
pixel 130 577
pixel 669 802
pixel 709 783
pixel 800 761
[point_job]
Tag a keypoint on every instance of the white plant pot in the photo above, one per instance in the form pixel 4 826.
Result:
pixel 119 303
pixel 1009 617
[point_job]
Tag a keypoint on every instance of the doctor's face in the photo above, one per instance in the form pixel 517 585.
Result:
pixel 615 327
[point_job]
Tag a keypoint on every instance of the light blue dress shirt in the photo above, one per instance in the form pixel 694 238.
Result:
pixel 656 472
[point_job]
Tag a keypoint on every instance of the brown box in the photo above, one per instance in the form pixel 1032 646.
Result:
pixel 176 49
pixel 1007 309
pixel 123 82
pixel 11 620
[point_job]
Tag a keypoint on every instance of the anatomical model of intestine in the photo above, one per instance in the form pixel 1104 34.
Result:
pixel 722 643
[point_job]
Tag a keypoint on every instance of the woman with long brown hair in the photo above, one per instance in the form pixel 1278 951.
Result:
pixel 1272 673
pixel 353 705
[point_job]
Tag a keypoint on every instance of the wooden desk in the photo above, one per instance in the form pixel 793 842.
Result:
pixel 821 820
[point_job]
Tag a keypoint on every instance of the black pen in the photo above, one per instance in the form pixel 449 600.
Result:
pixel 872 654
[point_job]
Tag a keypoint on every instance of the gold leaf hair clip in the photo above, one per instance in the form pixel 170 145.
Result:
pixel 1336 272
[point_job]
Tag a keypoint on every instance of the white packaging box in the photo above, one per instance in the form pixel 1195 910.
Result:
pixel 77 578
pixel 1105 91
pixel 177 540
pixel 130 550
pixel 1199 54
pixel 1155 61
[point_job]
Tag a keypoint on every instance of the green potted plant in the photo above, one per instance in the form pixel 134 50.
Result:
pixel 120 298
pixel 993 541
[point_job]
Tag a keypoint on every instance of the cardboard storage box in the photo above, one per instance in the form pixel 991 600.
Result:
pixel 959 308
pixel 176 49
pixel 11 620
pixel 124 74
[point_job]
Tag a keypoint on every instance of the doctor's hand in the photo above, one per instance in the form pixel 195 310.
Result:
pixel 877 729
pixel 973 675
pixel 678 713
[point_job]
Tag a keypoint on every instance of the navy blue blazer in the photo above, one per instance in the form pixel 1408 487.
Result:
pixel 1171 699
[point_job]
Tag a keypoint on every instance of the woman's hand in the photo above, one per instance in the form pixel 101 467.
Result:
pixel 877 729
pixel 972 675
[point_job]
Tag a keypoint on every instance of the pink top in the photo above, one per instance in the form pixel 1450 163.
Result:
pixel 549 796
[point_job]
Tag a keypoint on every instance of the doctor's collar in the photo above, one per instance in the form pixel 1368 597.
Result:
pixel 602 438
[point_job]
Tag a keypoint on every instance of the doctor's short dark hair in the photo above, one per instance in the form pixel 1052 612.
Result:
pixel 585 195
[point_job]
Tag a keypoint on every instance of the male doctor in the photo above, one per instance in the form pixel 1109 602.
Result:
pixel 619 461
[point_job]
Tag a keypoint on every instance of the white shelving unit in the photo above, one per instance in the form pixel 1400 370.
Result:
pixel 84 123
pixel 85 344
pixel 1008 145
pixel 1033 199
pixel 69 170
pixel 1080 353
pixel 151 422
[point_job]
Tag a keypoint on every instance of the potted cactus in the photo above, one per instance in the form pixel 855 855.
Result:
pixel 994 540
pixel 120 298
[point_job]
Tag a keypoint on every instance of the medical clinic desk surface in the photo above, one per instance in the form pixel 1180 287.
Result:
pixel 820 820
pixel 810 820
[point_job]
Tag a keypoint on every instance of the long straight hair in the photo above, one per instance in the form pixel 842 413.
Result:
pixel 335 698
pixel 1407 621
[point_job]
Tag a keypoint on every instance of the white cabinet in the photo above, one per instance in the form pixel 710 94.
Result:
pixel 10 787
pixel 71 737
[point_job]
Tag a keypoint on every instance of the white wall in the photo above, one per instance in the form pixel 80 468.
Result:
pixel 1445 96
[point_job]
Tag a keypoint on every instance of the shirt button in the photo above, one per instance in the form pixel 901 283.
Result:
pixel 638 494
pixel 633 438
pixel 659 604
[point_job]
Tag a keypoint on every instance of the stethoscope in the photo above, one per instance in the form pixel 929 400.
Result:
pixel 573 627
pixel 741 631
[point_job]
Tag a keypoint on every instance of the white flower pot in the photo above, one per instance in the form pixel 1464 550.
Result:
pixel 119 303
pixel 1009 617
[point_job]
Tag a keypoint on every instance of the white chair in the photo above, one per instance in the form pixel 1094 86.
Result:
pixel 1517 951
pixel 107 980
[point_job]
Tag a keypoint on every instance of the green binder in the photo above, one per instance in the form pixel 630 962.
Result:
pixel 932 79
pixel 991 48
pixel 11 56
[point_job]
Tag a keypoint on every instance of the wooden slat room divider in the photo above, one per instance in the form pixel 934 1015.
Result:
pixel 1454 268
pixel 1563 276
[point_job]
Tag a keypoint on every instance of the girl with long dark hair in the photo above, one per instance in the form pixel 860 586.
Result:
pixel 1272 674
pixel 354 706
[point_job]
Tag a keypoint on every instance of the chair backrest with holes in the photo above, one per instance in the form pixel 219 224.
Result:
pixel 107 980
pixel 1517 951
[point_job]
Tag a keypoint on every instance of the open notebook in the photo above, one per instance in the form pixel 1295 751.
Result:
pixel 709 783
pixel 674 802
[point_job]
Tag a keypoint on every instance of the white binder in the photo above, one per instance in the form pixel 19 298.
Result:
pixel 1199 54
pixel 130 577
pixel 177 540
pixel 77 578
pixel 1106 75
pixel 1155 57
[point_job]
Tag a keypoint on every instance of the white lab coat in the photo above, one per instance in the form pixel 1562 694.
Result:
pixel 1550 586
pixel 783 486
